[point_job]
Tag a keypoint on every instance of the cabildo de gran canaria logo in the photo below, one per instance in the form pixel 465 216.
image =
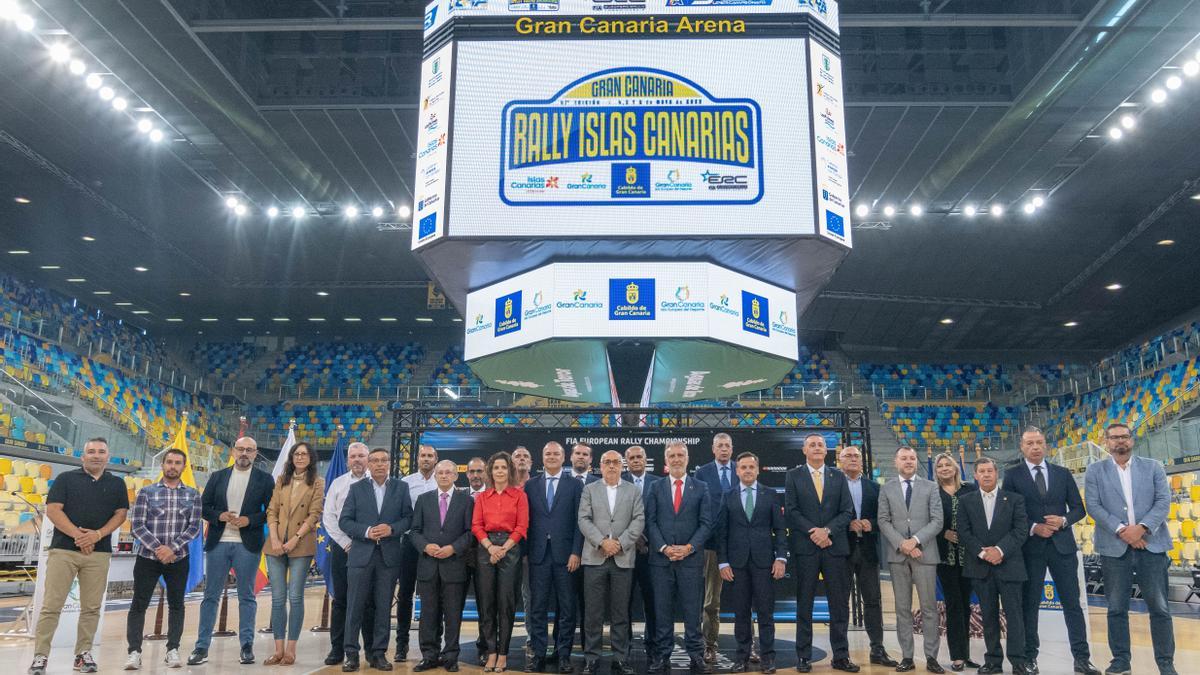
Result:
pixel 631 299
pixel 755 311
pixel 633 136
pixel 508 313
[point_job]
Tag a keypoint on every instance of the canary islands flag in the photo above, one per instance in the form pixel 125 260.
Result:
pixel 337 467
pixel 195 546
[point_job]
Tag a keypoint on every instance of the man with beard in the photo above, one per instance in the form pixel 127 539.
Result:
pixel 335 499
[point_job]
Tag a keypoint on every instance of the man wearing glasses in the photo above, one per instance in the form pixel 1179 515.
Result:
pixel 1129 499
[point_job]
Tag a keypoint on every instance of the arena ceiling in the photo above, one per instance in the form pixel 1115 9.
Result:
pixel 951 104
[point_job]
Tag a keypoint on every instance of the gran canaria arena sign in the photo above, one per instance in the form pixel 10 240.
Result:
pixel 631 135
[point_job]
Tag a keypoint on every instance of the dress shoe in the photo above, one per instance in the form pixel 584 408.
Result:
pixel 933 666
pixel 247 655
pixel 905 665
pixel 334 658
pixel 880 657
pixel 699 665
pixel 564 665
pixel 1020 669
pixel 739 667
pixel 379 663
pixel 401 654
pixel 656 666
pixel 754 658
pixel 426 664
pixel 622 668
pixel 768 666
pixel 844 665
pixel 350 665
pixel 803 666
pixel 990 669
pixel 710 654
pixel 1031 667
pixel 590 668
pixel 970 664
pixel 1084 666
pixel 1118 669
pixel 535 665
pixel 451 666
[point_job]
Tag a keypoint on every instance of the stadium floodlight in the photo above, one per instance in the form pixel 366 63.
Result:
pixel 969 210
pixel 1128 121
pixel 862 210
pixel 145 126
pixel 1158 96
pixel 1039 202
pixel 889 210
pixel 76 67
pixel 351 211
pixel 9 9
pixel 119 104
pixel 231 202
pixel 107 93
pixel 239 210
pixel 1029 208
pixel 1174 82
pixel 25 23
pixel 93 81
pixel 1191 68
pixel 916 210
pixel 298 212
pixel 404 211
pixel 156 135
pixel 377 212
pixel 996 210
pixel 59 53
pixel 272 211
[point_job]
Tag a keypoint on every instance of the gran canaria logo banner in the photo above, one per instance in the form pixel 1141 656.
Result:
pixel 631 136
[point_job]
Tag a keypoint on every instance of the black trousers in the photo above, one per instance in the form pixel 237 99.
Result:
pixel 495 587
pixel 1064 570
pixel 956 591
pixel 441 613
pixel 644 584
pixel 992 593
pixel 550 581
pixel 337 614
pixel 866 577
pixel 754 589
pixel 809 568
pixel 375 582
pixel 404 594
pixel 146 572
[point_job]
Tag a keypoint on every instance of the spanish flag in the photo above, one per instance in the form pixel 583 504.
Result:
pixel 195 546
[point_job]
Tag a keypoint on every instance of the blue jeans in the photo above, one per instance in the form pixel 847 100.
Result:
pixel 1151 571
pixel 217 563
pixel 287 577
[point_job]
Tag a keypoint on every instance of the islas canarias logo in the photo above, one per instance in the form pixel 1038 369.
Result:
pixel 640 128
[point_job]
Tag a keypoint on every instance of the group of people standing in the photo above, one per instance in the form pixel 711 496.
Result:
pixel 579 542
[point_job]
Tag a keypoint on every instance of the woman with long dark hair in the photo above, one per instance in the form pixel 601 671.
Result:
pixel 956 589
pixel 292 518
pixel 500 522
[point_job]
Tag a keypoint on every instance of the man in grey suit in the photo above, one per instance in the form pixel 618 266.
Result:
pixel 1129 499
pixel 910 518
pixel 611 518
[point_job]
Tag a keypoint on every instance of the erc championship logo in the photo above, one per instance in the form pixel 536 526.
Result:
pixel 633 136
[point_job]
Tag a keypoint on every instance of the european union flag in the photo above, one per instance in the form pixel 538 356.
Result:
pixel 337 467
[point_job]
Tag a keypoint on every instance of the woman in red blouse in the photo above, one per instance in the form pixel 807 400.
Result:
pixel 500 521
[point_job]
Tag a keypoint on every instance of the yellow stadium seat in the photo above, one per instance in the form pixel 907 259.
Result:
pixel 1088 548
pixel 1191 550
pixel 6 465
pixel 1194 493
pixel 1174 528
pixel 1188 480
pixel 1187 529
pixel 35 498
pixel 26 484
pixel 1173 511
pixel 18 467
pixel 1174 555
pixel 32 469
pixel 12 483
pixel 1184 511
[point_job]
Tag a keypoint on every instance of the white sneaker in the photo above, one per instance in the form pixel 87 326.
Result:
pixel 134 662
pixel 172 659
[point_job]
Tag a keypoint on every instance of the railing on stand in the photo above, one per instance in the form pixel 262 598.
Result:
pixel 1077 456
pixel 917 394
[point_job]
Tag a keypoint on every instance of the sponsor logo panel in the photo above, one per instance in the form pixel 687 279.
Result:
pixel 755 313
pixel 631 299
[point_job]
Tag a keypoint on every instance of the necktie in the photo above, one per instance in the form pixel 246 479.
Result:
pixel 678 493
pixel 550 483
pixel 819 484
pixel 1040 481
pixel 725 486
pixel 749 503
pixel 638 482
pixel 907 493
pixel 445 504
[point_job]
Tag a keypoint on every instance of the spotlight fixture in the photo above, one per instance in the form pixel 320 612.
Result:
pixel 298 212
pixel 1174 82
pixel 231 202
pixel 1161 242
pixel 59 53
pixel 145 126
pixel 969 210
pixel 245 319
pixel 351 319
pixel 51 267
pixel 387 319
pixel 351 211
pixel 101 292
pixel 323 294
pixel 123 304
pixel 156 135
pixel 185 294
pixel 1039 202
pixel 1191 68
pixel 996 210
pixel 862 210
pixel 174 320
pixel 21 200
pixel 1128 121
pixel 25 23
pixel 1070 324
pixel 377 212
pixel 424 319
pixel 946 321
pixel 76 67
pixel 457 319
pixel 139 268
pixel 19 251
pixel 1158 96
pixel 1115 133
pixel 120 104
pixel 1114 287
pixel 404 211
pixel 107 93
pixel 316 319
pixel 272 211
pixel 239 210
pixel 8 9
pixel 93 81
pixel 209 319
pixel 915 210
pixel 76 280
pixel 281 319
pixel 889 210
pixel 1029 208
pixel 88 238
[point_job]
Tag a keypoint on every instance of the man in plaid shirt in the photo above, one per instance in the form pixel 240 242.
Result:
pixel 166 516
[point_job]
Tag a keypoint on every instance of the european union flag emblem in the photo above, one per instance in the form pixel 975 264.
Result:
pixel 427 226
pixel 835 224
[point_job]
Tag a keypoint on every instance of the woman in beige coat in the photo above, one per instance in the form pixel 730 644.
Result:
pixel 292 518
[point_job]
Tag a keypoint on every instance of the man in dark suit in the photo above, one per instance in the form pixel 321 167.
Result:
pixel 819 510
pixel 441 532
pixel 721 477
pixel 864 548
pixel 1052 506
pixel 235 505
pixel 553 546
pixel 992 528
pixel 581 470
pixel 376 516
pixel 752 555
pixel 643 480
pixel 679 519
